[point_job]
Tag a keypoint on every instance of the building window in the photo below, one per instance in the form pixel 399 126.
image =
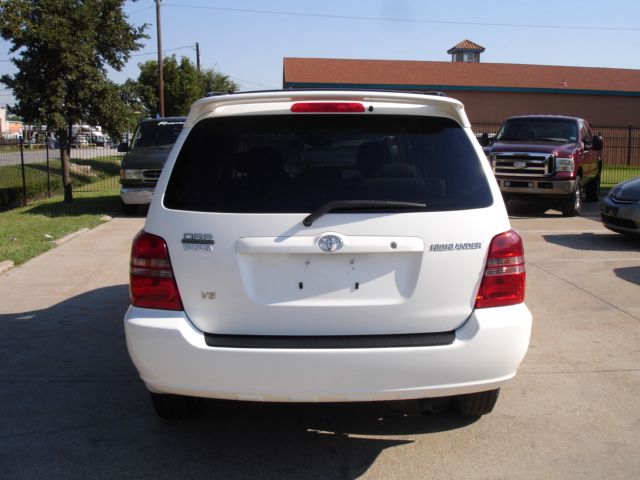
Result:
pixel 469 57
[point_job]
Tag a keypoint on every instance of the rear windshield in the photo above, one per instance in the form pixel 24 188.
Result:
pixel 156 134
pixel 295 164
pixel 544 129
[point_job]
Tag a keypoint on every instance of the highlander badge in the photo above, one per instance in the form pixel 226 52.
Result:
pixel 330 243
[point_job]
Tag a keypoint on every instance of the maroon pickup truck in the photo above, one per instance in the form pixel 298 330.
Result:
pixel 548 158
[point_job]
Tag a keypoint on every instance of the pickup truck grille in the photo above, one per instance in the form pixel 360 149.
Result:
pixel 151 176
pixel 522 164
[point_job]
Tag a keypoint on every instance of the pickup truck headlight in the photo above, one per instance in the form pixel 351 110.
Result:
pixel 131 174
pixel 564 164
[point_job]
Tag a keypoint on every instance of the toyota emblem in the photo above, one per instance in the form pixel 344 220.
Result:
pixel 330 243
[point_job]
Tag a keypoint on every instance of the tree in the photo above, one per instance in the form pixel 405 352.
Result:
pixel 63 48
pixel 213 81
pixel 183 85
pixel 130 95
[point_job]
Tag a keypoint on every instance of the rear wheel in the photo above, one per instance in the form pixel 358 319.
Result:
pixel 572 206
pixel 476 404
pixel 175 407
pixel 593 189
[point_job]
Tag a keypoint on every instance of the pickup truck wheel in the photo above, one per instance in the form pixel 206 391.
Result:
pixel 175 407
pixel 593 190
pixel 572 206
pixel 476 404
pixel 128 209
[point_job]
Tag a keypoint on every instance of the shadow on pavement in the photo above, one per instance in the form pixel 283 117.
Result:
pixel 73 407
pixel 604 242
pixel 630 274
pixel 141 211
pixel 541 209
pixel 530 209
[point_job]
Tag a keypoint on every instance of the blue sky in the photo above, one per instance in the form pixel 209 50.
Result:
pixel 240 41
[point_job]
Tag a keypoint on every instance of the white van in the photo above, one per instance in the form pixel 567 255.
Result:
pixel 327 246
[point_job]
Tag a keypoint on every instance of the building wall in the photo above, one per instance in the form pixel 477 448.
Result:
pixel 14 128
pixel 494 107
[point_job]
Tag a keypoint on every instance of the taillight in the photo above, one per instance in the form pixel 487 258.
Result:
pixel 504 275
pixel 151 281
pixel 327 107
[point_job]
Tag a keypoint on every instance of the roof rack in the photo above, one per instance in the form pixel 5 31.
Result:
pixel 333 89
pixel 216 94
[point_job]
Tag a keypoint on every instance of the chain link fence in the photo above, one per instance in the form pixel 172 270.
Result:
pixel 30 171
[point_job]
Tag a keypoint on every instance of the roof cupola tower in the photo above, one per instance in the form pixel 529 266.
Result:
pixel 466 51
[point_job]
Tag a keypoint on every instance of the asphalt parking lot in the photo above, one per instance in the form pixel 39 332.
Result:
pixel 71 405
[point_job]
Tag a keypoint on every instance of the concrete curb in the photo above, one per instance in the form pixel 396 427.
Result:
pixel 5 266
pixel 71 236
pixel 77 233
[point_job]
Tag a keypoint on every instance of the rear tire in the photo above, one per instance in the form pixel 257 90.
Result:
pixel 175 407
pixel 128 209
pixel 572 206
pixel 476 404
pixel 593 190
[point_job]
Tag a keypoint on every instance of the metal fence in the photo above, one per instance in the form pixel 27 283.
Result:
pixel 34 170
pixel 620 154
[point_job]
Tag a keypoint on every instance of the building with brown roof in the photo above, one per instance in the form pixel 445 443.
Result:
pixel 466 51
pixel 490 92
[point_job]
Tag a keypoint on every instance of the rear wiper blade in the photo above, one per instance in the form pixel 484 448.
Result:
pixel 357 204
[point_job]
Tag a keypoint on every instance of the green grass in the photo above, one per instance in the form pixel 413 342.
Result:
pixel 106 170
pixel 102 175
pixel 612 175
pixel 11 175
pixel 101 168
pixel 29 231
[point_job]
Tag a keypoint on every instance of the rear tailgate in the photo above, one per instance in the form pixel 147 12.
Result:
pixel 236 194
pixel 403 273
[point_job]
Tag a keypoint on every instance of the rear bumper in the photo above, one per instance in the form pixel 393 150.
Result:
pixel 136 195
pixel 536 187
pixel 172 357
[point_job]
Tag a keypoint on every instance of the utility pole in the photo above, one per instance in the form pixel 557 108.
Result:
pixel 160 66
pixel 198 56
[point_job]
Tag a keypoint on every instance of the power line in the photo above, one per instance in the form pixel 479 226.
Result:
pixel 253 83
pixel 163 51
pixel 141 10
pixel 404 20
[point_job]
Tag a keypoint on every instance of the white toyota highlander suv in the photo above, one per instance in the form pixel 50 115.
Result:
pixel 326 246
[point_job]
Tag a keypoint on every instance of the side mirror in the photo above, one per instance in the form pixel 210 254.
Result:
pixel 123 147
pixel 598 142
pixel 484 139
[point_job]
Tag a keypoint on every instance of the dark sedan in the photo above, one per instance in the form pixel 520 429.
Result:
pixel 620 209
